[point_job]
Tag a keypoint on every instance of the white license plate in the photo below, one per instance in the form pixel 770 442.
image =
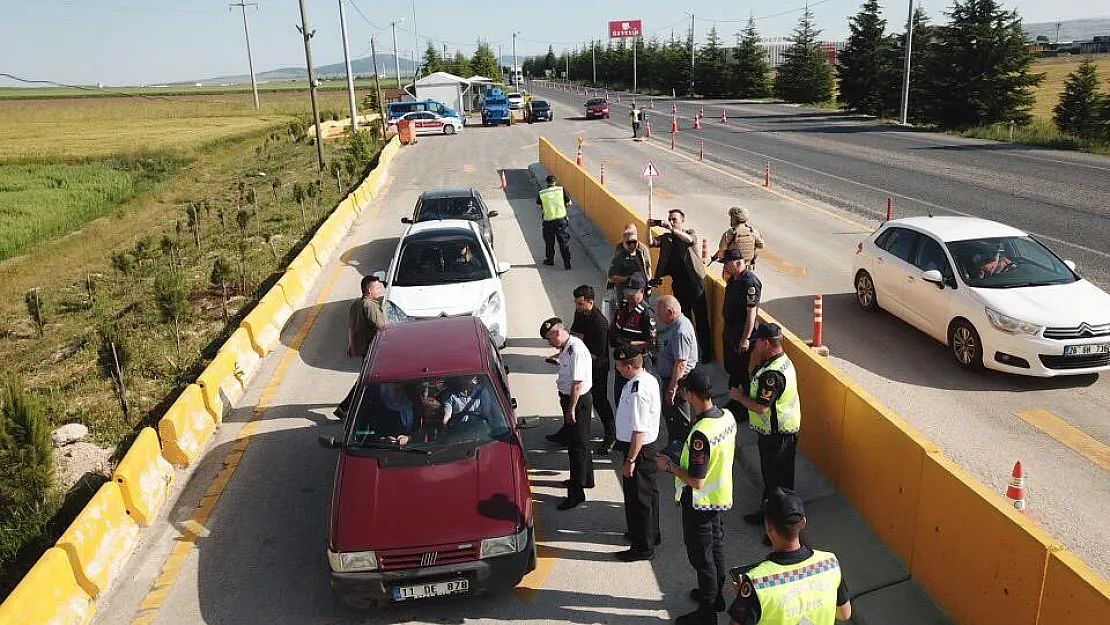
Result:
pixel 422 591
pixel 1087 350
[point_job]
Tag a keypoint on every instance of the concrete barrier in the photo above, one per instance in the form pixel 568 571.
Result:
pixel 247 359
pixel 144 476
pixel 1073 593
pixel 264 323
pixel 100 540
pixel 292 288
pixel 219 385
pixel 186 428
pixel 48 595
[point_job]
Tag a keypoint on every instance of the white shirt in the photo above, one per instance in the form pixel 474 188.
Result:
pixel 639 408
pixel 575 365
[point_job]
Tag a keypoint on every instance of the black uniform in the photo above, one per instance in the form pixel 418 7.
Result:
pixel 745 609
pixel 556 230
pixel 703 531
pixel 741 294
pixel 632 323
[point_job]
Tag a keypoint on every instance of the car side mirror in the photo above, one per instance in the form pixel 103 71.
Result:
pixel 1071 264
pixel 512 402
pixel 933 275
pixel 330 442
pixel 406 220
pixel 492 214
pixel 502 267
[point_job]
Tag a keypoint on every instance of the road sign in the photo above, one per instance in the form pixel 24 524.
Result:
pixel 625 28
pixel 650 171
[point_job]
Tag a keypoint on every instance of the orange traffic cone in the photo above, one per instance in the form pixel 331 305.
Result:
pixel 674 124
pixel 649 130
pixel 697 123
pixel 1015 492
pixel 724 117
pixel 674 109
pixel 504 184
pixel 579 160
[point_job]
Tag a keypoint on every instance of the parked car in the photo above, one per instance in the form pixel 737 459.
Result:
pixel 538 111
pixel 597 108
pixel 516 100
pixel 444 269
pixel 996 296
pixel 429 123
pixel 423 505
pixel 453 204
pixel 397 109
pixel 495 108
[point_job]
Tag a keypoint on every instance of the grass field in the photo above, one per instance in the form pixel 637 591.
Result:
pixel 1056 72
pixel 16 93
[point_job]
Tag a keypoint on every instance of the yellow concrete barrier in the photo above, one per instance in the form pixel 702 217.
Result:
pixel 48 595
pixel 306 269
pixel 247 359
pixel 325 243
pixel 292 289
pixel 100 540
pixel 259 324
pixel 345 212
pixel 1073 593
pixel 823 397
pixel 144 477
pixel 219 386
pixel 186 428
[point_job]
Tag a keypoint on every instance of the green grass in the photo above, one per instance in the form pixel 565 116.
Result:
pixel 1040 132
pixel 264 89
pixel 1056 72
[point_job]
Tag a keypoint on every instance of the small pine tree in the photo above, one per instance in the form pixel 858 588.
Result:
pixel 750 68
pixel 805 75
pixel 26 451
pixel 222 274
pixel 171 293
pixel 1078 112
pixel 36 309
pixel 112 358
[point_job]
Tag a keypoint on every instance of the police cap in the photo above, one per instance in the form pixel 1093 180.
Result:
pixel 698 381
pixel 784 507
pixel 546 326
pixel 731 254
pixel 625 351
pixel 766 331
pixel 636 282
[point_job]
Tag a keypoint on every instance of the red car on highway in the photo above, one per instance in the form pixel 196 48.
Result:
pixel 597 107
pixel 431 495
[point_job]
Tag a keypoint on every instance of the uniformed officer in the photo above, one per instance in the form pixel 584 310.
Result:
pixel 574 382
pixel 630 257
pixel 703 487
pixel 741 309
pixel 774 411
pixel 637 117
pixel 553 201
pixel 633 324
pixel 796 584
pixel 740 236
pixel 634 454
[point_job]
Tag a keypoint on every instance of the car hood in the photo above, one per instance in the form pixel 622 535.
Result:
pixel 379 508
pixel 450 299
pixel 1058 305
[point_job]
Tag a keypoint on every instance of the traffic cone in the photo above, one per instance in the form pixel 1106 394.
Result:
pixel 701 111
pixel 504 184
pixel 618 98
pixel 1015 492
pixel 697 123
pixel 651 103
pixel 579 157
pixel 674 108
pixel 649 130
pixel 724 117
pixel 674 124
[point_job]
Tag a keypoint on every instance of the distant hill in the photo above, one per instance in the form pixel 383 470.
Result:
pixel 1071 30
pixel 364 66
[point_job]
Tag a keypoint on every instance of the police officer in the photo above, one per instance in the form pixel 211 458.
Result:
pixel 637 116
pixel 740 236
pixel 795 584
pixel 741 309
pixel 633 325
pixel 703 488
pixel 774 411
pixel 574 382
pixel 634 455
pixel 553 201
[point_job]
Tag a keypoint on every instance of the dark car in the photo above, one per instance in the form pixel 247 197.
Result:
pixel 539 110
pixel 431 495
pixel 597 107
pixel 453 204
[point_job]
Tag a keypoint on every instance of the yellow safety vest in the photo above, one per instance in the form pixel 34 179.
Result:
pixel 551 199
pixel 792 594
pixel 787 408
pixel 717 492
pixel 636 116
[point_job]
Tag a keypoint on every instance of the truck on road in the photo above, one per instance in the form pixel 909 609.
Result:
pixel 495 108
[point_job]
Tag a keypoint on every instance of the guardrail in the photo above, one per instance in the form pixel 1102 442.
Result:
pixel 981 560
pixel 64 585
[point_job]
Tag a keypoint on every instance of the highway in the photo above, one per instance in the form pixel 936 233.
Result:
pixel 986 421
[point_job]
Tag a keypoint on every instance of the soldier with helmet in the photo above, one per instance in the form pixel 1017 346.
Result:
pixel 740 236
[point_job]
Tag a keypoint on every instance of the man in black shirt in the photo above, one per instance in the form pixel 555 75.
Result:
pixel 633 324
pixel 679 259
pixel 741 308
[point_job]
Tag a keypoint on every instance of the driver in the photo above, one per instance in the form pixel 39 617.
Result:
pixel 995 265
pixel 466 399
pixel 401 422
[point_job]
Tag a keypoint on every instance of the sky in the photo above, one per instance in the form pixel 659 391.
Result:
pixel 131 42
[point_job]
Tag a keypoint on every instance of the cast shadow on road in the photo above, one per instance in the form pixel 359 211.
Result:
pixel 890 348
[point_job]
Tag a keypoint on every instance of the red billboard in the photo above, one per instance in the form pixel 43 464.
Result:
pixel 625 28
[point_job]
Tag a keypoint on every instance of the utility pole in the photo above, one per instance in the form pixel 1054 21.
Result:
pixel 906 68
pixel 350 76
pixel 691 53
pixel 568 66
pixel 307 34
pixel 396 59
pixel 635 40
pixel 1057 32
pixel 250 57
pixel 415 42
pixel 515 33
pixel 593 52
pixel 378 86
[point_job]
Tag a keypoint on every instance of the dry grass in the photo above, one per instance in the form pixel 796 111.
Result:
pixel 1056 72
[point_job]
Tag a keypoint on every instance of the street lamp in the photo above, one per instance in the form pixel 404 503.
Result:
pixel 514 80
pixel 906 69
pixel 691 52
pixel 396 59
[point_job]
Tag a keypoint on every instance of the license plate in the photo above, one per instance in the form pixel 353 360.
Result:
pixel 1087 350
pixel 422 591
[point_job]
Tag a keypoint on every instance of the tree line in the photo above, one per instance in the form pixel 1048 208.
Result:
pixel 482 63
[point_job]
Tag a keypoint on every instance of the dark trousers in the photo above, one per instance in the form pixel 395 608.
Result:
pixel 581 462
pixel 703 531
pixel 776 461
pixel 676 416
pixel 556 230
pixel 635 130
pixel 600 395
pixel 641 498
pixel 695 308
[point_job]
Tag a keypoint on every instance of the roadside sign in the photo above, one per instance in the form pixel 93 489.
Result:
pixel 625 28
pixel 650 171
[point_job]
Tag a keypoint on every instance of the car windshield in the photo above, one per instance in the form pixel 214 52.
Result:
pixel 441 259
pixel 428 414
pixel 465 207
pixel 514 96
pixel 1008 262
pixel 595 102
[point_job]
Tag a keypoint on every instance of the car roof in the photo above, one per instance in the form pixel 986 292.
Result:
pixel 954 228
pixel 448 192
pixel 443 346
pixel 445 226
pixel 544 102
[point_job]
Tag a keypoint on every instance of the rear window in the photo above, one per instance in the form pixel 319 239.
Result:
pixel 540 104
pixel 441 259
pixel 448 208
pixel 595 102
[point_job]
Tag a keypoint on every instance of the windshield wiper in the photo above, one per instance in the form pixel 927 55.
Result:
pixel 392 447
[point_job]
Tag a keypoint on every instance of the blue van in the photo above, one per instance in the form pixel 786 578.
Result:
pixel 397 109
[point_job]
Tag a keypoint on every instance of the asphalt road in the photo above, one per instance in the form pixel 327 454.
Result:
pixel 975 417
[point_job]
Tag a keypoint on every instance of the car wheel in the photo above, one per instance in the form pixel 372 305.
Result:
pixel 449 129
pixel 966 347
pixel 865 292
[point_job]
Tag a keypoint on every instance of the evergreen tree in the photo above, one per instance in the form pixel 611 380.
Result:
pixel 1079 111
pixel 979 72
pixel 804 75
pixel 865 64
pixel 549 59
pixel 750 68
pixel 923 45
pixel 460 66
pixel 433 62
pixel 711 66
pixel 484 62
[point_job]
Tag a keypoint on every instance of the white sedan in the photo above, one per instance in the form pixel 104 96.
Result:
pixel 445 268
pixel 993 294
pixel 516 100
pixel 429 123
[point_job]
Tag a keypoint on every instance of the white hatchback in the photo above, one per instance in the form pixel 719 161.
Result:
pixel 446 268
pixel 993 294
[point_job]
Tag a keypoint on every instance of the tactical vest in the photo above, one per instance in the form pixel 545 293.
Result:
pixel 742 238
pixel 790 594
pixel 717 492
pixel 787 409
pixel 631 323
pixel 554 207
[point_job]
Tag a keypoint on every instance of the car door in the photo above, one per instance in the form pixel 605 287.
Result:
pixel 896 247
pixel 927 304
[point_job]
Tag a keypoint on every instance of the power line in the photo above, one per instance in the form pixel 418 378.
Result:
pixel 53 83
pixel 764 17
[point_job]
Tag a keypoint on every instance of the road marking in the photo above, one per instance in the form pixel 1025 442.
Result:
pixel 546 557
pixel 1071 437
pixel 781 265
pixel 663 193
pixel 468 168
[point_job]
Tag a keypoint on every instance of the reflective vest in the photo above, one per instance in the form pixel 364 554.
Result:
pixel 635 116
pixel 551 199
pixel 791 594
pixel 717 492
pixel 785 415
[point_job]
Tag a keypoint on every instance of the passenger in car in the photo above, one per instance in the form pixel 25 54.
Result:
pixel 465 400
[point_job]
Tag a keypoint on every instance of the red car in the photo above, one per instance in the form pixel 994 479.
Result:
pixel 431 495
pixel 597 107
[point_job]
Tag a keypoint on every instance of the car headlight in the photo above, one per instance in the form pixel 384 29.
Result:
pixel 353 561
pixel 505 545
pixel 491 306
pixel 394 313
pixel 1009 325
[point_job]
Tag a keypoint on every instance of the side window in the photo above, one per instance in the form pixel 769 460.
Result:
pixel 930 255
pixel 899 242
pixel 499 369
